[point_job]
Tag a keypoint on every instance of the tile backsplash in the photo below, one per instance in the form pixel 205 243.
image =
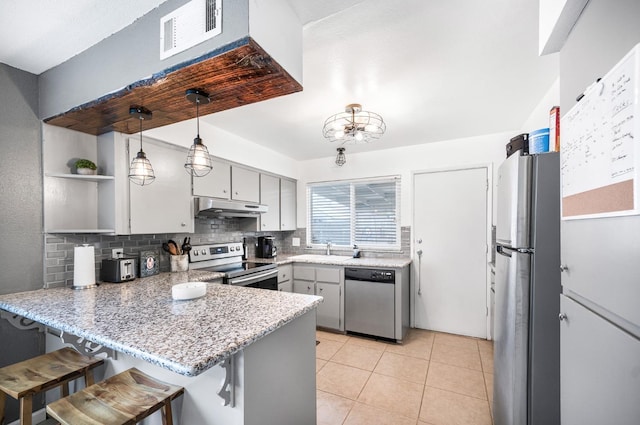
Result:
pixel 58 267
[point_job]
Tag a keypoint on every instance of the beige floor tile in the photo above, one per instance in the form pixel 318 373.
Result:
pixel 392 394
pixel 441 407
pixel 457 379
pixel 369 343
pixel 456 356
pixel 414 346
pixel 357 356
pixel 456 340
pixel 342 380
pixel 420 333
pixel 320 364
pixel 487 361
pixel 488 381
pixel 327 348
pixel 485 345
pixel 332 336
pixel 403 367
pixel 332 409
pixel 362 414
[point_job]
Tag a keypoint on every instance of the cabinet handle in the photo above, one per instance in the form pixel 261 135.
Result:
pixel 563 268
pixel 183 224
pixel 562 317
pixel 224 191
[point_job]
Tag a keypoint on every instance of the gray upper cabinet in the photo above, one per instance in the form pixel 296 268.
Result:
pixel 270 196
pixel 245 184
pixel 280 196
pixel 216 184
pixel 164 206
pixel 288 206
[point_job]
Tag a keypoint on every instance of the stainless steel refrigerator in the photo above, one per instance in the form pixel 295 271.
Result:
pixel 527 292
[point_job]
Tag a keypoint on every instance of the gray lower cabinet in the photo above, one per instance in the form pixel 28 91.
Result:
pixel 599 369
pixel 327 282
pixel 285 281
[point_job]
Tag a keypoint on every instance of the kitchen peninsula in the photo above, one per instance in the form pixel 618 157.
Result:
pixel 260 344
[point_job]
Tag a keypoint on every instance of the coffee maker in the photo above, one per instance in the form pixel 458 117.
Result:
pixel 266 247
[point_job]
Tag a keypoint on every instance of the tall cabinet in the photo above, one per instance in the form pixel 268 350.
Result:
pixel 279 194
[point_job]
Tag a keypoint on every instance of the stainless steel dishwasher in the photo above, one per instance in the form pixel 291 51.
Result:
pixel 370 301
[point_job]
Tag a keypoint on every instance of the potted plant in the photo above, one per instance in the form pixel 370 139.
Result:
pixel 85 166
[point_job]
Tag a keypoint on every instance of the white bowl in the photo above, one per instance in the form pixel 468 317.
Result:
pixel 189 290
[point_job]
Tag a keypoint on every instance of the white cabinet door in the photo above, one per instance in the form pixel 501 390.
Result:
pixel 285 286
pixel 216 184
pixel 599 369
pixel 245 185
pixel 288 204
pixel 303 286
pixel 270 196
pixel 328 313
pixel 165 205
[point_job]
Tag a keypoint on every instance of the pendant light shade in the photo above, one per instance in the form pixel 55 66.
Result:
pixel 341 159
pixel 140 170
pixel 198 160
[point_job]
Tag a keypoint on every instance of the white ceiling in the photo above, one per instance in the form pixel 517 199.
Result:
pixel 435 70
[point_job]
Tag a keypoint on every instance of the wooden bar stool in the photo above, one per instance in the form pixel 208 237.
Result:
pixel 25 379
pixel 123 399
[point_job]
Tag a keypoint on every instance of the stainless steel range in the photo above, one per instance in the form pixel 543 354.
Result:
pixel 227 258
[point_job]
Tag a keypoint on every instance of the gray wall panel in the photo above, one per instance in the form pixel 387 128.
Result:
pixel 20 210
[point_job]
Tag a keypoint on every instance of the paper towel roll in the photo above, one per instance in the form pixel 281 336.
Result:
pixel 84 269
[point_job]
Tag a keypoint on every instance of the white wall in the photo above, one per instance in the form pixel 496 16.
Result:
pixel 539 117
pixel 228 146
pixel 488 149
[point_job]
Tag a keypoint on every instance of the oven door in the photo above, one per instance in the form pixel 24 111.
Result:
pixel 264 280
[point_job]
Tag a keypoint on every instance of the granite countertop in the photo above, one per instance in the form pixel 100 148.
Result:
pixel 336 260
pixel 139 318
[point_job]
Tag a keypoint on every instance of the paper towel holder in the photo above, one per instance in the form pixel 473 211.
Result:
pixel 84 272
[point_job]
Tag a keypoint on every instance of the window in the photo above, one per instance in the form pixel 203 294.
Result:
pixel 362 212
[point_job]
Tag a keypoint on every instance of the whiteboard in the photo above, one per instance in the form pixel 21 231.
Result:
pixel 599 149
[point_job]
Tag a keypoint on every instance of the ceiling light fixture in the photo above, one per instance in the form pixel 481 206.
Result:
pixel 354 126
pixel 141 171
pixel 341 159
pixel 198 160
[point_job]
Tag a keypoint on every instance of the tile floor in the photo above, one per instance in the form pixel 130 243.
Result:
pixel 432 379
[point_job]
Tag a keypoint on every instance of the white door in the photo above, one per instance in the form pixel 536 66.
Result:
pixel 450 251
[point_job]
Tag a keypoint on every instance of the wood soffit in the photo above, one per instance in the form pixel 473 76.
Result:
pixel 242 75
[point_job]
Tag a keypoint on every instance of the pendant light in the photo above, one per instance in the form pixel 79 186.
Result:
pixel 198 160
pixel 141 171
pixel 341 159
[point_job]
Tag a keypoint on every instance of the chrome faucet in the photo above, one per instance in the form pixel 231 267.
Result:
pixel 328 247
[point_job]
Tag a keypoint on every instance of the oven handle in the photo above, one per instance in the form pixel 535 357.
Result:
pixel 254 278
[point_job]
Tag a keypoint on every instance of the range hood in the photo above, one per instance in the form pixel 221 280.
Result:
pixel 212 207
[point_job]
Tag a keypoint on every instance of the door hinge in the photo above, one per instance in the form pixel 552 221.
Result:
pixel 487 189
pixel 487 308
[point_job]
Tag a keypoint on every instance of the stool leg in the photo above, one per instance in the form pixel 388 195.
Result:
pixel 88 378
pixel 25 409
pixel 167 415
pixel 3 398
pixel 64 390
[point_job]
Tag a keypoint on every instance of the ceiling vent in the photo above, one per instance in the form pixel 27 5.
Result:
pixel 191 24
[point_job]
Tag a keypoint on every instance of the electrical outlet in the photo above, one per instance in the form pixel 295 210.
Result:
pixel 295 241
pixel 117 253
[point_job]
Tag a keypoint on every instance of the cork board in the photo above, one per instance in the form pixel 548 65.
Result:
pixel 599 147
